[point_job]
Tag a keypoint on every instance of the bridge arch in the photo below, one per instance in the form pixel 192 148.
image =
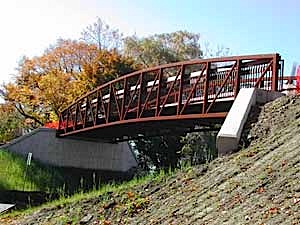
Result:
pixel 172 96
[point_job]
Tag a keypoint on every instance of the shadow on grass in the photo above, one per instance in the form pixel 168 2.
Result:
pixel 16 175
pixel 45 178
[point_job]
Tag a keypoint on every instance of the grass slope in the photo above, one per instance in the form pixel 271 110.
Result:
pixel 38 177
pixel 258 185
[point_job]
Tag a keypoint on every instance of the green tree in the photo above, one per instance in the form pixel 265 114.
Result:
pixel 199 147
pixel 160 152
pixel 163 48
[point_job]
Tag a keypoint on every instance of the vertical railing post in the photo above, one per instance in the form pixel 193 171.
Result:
pixel 67 121
pixel 179 103
pixel 157 109
pixel 86 110
pixel 281 64
pixel 124 99
pixel 109 104
pixel 206 87
pixel 237 78
pixel 97 108
pixel 76 114
pixel 141 92
pixel 59 121
pixel 275 66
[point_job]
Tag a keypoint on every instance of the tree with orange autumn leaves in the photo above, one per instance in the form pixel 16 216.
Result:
pixel 46 84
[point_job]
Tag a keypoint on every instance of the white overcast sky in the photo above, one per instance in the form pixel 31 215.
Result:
pixel 28 27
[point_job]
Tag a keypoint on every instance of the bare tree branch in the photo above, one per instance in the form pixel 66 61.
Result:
pixel 22 112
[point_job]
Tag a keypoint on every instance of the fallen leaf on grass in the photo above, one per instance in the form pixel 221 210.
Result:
pixel 106 222
pixel 130 194
pixel 273 210
pixel 261 190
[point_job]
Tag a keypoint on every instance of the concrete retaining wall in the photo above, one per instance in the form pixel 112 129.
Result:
pixel 229 136
pixel 64 152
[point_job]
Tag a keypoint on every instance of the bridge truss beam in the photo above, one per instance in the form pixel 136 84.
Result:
pixel 196 90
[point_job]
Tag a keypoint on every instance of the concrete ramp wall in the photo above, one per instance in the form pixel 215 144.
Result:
pixel 229 136
pixel 63 152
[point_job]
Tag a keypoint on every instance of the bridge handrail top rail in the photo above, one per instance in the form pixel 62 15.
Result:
pixel 181 63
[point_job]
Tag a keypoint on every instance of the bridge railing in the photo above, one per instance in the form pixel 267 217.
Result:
pixel 173 91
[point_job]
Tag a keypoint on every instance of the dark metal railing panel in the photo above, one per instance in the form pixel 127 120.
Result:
pixel 175 90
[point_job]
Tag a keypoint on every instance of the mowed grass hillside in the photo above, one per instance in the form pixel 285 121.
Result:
pixel 37 177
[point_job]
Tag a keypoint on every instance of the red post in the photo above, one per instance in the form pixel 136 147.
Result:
pixel 179 103
pixel 97 108
pixel 142 88
pixel 76 114
pixel 67 121
pixel 158 92
pixel 275 67
pixel 109 104
pixel 206 84
pixel 125 93
pixel 86 110
pixel 237 78
pixel 298 80
pixel 59 121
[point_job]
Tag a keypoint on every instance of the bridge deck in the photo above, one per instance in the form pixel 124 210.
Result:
pixel 169 97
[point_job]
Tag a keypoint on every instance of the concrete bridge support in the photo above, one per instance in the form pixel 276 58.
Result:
pixel 229 136
pixel 65 152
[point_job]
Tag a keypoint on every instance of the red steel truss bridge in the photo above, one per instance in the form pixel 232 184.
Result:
pixel 168 98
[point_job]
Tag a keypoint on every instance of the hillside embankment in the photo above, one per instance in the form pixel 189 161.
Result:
pixel 259 184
